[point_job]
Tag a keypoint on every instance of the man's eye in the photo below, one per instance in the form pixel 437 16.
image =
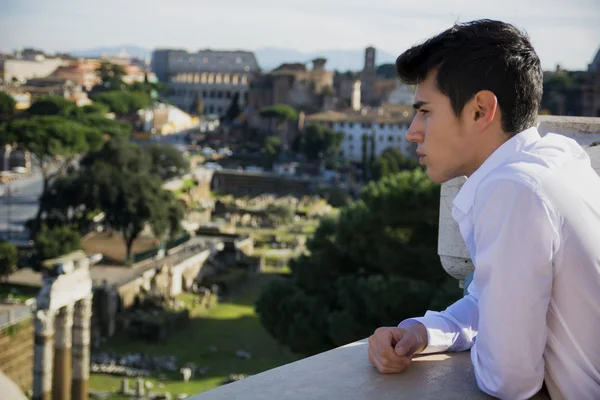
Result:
pixel 423 112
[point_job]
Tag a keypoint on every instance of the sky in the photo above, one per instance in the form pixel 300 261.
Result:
pixel 565 32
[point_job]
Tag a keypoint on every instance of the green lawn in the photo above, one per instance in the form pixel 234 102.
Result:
pixel 229 327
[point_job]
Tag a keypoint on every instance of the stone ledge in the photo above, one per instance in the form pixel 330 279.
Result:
pixel 345 373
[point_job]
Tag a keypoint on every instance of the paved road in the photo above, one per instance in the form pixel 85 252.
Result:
pixel 18 204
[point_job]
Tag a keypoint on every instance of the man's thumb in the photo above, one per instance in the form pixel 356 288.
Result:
pixel 406 345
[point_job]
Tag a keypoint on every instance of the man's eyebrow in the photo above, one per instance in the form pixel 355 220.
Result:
pixel 419 104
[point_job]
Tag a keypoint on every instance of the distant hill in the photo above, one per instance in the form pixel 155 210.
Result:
pixel 268 58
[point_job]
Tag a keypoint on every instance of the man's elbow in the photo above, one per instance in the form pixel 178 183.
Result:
pixel 510 383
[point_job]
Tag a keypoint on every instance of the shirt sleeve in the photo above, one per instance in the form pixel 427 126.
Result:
pixel 453 329
pixel 516 237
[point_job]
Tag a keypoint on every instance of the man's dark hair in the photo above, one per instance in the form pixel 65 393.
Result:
pixel 481 55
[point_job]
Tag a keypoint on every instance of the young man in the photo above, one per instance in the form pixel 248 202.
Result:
pixel 529 213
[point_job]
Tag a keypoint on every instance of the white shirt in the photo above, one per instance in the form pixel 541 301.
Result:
pixel 530 217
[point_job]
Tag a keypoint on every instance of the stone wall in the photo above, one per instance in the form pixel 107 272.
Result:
pixel 16 353
pixel 247 182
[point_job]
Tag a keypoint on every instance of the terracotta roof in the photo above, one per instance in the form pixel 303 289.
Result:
pixel 372 116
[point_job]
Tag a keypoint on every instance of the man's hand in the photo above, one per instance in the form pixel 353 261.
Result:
pixel 391 349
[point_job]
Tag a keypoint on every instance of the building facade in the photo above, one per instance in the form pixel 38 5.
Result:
pixel 206 81
pixel 295 85
pixel 388 129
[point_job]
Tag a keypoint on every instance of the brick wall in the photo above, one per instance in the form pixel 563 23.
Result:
pixel 16 353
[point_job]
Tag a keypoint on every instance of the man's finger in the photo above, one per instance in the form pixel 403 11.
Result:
pixel 407 345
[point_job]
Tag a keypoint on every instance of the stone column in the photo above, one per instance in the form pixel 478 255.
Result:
pixel 43 355
pixel 81 348
pixel 61 388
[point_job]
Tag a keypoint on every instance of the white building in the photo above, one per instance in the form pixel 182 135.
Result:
pixel 23 70
pixel 209 77
pixel 389 131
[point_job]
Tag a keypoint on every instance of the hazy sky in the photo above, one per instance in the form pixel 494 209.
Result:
pixel 563 31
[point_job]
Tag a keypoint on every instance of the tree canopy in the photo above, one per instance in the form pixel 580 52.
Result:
pixel 391 161
pixel 55 242
pixel 9 257
pixel 166 161
pixel 54 142
pixel 373 265
pixel 280 112
pixel 123 102
pixel 7 104
pixel 117 180
pixel 53 105
pixel 320 142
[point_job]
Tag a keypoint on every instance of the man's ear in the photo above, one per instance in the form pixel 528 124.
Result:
pixel 484 108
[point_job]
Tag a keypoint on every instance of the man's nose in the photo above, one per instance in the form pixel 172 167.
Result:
pixel 415 131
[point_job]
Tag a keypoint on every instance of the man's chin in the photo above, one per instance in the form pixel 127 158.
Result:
pixel 436 178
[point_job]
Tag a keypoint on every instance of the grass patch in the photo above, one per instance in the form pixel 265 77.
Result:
pixel 229 327
pixel 271 269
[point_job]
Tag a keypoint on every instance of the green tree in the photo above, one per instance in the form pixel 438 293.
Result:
pixel 166 161
pixel 122 102
pixel 55 242
pixel 392 161
pixel 320 142
pixel 7 105
pixel 117 183
pixel 9 258
pixel 54 143
pixel 280 115
pixel 272 150
pixel 54 105
pixel 110 127
pixel 95 108
pixel 372 265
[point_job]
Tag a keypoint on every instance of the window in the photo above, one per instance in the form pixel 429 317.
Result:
pixel 381 138
pixel 350 124
pixel 366 125
pixel 190 78
pixel 211 78
pixel 196 78
pixel 382 126
pixel 246 97
pixel 210 109
pixel 234 79
pixel 219 94
pixel 226 78
pixel 204 94
pixel 351 148
pixel 203 77
pixel 212 94
pixel 350 137
pixel 218 78
pixel 390 138
pixel 342 124
pixel 244 79
pixel 219 110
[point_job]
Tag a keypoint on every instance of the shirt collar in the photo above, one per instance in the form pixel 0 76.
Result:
pixel 465 197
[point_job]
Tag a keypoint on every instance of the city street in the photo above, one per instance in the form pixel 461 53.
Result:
pixel 18 203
